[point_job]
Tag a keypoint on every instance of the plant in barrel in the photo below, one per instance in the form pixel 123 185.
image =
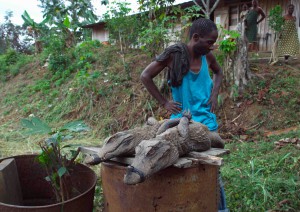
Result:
pixel 54 157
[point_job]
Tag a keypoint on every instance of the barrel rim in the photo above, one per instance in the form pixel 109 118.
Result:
pixel 95 178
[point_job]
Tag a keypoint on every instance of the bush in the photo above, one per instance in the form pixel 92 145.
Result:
pixel 11 57
pixel 12 63
pixel 60 58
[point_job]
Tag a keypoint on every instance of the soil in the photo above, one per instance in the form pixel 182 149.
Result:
pixel 244 118
pixel 249 115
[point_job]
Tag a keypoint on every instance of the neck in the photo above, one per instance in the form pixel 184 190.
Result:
pixel 191 52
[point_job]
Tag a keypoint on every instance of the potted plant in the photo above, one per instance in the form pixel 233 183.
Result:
pixel 53 179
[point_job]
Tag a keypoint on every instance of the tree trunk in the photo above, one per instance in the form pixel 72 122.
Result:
pixel 274 54
pixel 207 10
pixel 241 69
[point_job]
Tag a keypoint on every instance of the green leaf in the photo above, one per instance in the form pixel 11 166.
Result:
pixel 35 126
pixel 61 171
pixel 76 126
pixel 67 22
pixel 43 158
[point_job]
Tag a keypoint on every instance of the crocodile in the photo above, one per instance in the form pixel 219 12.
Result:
pixel 164 150
pixel 124 143
pixel 156 145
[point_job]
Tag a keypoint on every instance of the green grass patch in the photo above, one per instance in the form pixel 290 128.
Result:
pixel 258 176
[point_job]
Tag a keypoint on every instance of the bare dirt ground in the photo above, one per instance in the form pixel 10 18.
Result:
pixel 260 113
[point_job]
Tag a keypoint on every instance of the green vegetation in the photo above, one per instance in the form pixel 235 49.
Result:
pixel 259 177
pixel 53 157
pixel 100 85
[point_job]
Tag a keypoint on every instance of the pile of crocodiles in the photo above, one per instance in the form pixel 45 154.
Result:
pixel 156 145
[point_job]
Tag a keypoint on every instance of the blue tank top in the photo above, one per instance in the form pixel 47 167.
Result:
pixel 194 93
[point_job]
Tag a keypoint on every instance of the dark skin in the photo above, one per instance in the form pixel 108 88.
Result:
pixel 197 46
pixel 262 14
pixel 289 16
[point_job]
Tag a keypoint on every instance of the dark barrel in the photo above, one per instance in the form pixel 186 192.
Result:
pixel 173 189
pixel 37 193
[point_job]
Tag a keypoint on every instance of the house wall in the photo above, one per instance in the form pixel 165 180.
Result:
pixel 265 34
pixel 100 33
pixel 297 14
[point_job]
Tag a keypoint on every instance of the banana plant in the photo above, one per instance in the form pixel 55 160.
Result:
pixel 36 29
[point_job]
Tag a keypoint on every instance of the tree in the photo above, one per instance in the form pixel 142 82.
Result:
pixel 156 34
pixel 36 30
pixel 10 35
pixel 276 22
pixel 69 15
pixel 123 28
pixel 207 10
pixel 241 70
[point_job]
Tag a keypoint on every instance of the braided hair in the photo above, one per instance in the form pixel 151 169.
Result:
pixel 202 26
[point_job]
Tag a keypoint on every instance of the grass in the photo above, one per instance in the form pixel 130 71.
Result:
pixel 258 176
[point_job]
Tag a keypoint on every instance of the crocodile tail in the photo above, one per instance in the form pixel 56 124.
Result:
pixel 216 140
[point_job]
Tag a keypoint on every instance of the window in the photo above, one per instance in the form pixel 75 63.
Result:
pixel 233 15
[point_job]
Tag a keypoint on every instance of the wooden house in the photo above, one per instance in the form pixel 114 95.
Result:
pixel 227 14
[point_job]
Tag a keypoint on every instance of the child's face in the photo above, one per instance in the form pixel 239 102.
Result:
pixel 245 7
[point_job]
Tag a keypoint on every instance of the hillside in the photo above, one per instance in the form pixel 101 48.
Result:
pixel 110 98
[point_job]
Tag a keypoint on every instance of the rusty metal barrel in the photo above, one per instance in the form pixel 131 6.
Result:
pixel 193 189
pixel 37 193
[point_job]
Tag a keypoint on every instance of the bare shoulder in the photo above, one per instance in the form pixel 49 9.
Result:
pixel 210 58
pixel 260 10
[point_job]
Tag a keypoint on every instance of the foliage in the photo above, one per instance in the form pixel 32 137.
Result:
pixel 228 44
pixel 156 34
pixel 10 36
pixel 56 162
pixel 70 14
pixel 111 103
pixel 36 30
pixel 59 56
pixel 123 27
pixel 207 7
pixel 160 30
pixel 275 19
pixel 259 177
pixel 276 22
pixel 188 14
pixel 12 62
pixel 154 5
pixel 154 37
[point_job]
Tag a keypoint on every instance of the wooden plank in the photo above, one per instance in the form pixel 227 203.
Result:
pixel 183 163
pixel 202 158
pixel 10 189
pixel 213 152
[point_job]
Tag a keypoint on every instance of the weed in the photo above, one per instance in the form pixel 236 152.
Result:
pixel 42 85
pixel 257 179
